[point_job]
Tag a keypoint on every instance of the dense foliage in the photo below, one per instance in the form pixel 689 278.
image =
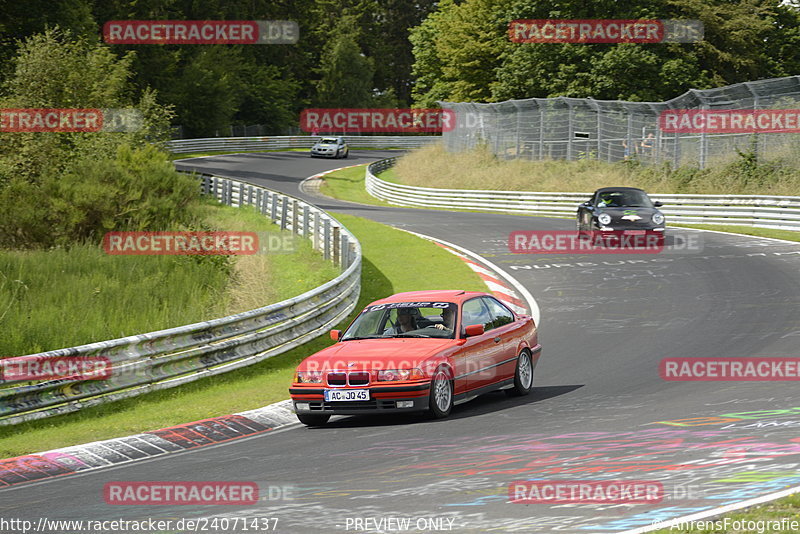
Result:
pixel 463 52
pixel 350 53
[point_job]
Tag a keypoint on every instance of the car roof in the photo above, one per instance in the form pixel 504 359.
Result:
pixel 621 188
pixel 452 295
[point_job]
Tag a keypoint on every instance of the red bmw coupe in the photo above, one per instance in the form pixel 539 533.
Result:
pixel 418 351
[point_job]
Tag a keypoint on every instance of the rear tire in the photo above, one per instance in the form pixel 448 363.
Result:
pixel 441 395
pixel 313 419
pixel 523 376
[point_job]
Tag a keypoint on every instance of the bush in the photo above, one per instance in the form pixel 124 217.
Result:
pixel 136 190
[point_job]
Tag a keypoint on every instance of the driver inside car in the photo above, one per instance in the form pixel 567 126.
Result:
pixel 405 323
pixel 448 320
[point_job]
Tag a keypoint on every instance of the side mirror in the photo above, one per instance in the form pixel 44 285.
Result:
pixel 474 330
pixel 657 203
pixel 336 334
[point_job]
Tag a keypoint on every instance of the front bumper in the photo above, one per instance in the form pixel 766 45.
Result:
pixel 323 154
pixel 382 399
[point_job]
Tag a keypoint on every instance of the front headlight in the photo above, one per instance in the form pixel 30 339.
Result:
pixel 604 219
pixel 658 218
pixel 393 375
pixel 308 377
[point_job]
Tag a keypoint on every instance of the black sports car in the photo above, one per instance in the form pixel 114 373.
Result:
pixel 620 210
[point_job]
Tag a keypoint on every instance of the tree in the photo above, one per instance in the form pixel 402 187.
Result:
pixel 346 73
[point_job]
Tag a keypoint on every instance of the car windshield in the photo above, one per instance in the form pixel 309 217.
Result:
pixel 628 199
pixel 404 319
pixel 328 141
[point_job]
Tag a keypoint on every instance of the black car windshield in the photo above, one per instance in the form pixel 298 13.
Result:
pixel 626 199
pixel 404 319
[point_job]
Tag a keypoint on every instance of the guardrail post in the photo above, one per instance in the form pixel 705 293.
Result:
pixel 305 220
pixel 206 184
pixel 345 259
pixel 326 236
pixel 260 200
pixel 315 232
pixel 229 200
pixel 295 217
pixel 337 245
pixel 284 212
pixel 274 207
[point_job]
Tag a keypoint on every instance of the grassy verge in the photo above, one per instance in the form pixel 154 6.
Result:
pixel 785 508
pixel 348 184
pixel 432 166
pixel 260 384
pixel 94 296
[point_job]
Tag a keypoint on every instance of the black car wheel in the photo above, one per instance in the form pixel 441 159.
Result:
pixel 313 419
pixel 523 376
pixel 441 396
pixel 346 153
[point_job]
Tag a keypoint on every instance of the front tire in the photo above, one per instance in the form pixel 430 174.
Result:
pixel 313 419
pixel 441 395
pixel 523 376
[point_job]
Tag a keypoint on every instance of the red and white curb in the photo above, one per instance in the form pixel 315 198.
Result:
pixel 44 466
pixel 501 284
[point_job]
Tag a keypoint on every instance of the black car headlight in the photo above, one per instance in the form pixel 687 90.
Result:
pixel 604 219
pixel 658 218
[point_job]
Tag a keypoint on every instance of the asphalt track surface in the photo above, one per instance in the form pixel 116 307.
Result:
pixel 599 410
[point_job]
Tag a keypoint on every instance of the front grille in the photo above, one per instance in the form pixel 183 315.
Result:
pixel 337 379
pixel 352 405
pixel 354 378
pixel 359 378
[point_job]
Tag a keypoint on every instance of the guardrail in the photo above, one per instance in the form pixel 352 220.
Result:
pixel 762 211
pixel 168 358
pixel 214 144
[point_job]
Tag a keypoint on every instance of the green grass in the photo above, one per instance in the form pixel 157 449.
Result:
pixel 432 166
pixel 776 510
pixel 386 270
pixel 348 184
pixel 93 296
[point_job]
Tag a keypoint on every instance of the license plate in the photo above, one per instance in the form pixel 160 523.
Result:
pixel 346 395
pixel 635 232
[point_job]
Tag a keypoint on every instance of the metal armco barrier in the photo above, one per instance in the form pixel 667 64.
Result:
pixel 213 144
pixel 761 211
pixel 168 358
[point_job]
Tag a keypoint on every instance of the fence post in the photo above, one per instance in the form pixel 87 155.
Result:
pixel 295 217
pixel 274 207
pixel 305 220
pixel 315 239
pixel 284 211
pixel 337 245
pixel 326 236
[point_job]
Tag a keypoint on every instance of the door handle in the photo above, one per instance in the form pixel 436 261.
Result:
pixel 497 340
